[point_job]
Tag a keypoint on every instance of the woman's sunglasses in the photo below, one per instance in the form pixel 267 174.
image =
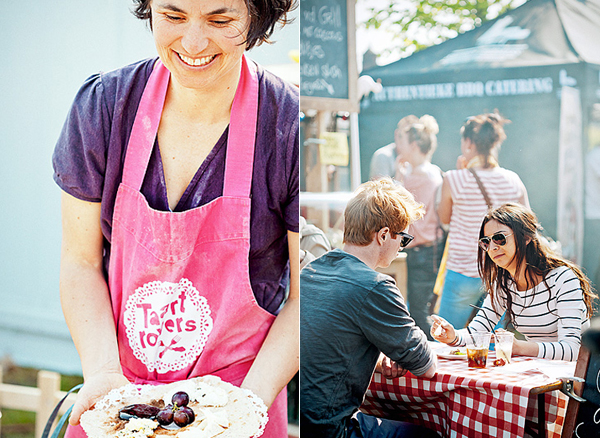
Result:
pixel 498 238
pixel 406 238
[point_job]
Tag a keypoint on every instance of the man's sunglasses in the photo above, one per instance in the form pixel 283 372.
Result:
pixel 498 238
pixel 406 238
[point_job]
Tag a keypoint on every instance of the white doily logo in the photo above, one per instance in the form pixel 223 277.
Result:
pixel 167 324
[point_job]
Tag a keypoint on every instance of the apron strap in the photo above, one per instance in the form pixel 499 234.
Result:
pixel 242 134
pixel 240 143
pixel 145 127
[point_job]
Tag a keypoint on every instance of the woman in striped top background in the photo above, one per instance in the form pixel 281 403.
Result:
pixel 463 206
pixel 547 298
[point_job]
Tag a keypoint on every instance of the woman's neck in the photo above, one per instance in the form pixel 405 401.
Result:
pixel 417 159
pixel 521 279
pixel 483 162
pixel 209 106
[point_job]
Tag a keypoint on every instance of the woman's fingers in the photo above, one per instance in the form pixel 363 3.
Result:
pixel 437 328
pixel 93 390
pixel 441 330
pixel 84 401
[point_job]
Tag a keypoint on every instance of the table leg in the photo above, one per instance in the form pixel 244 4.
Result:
pixel 542 415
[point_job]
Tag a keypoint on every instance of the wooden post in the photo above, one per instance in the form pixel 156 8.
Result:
pixel 317 179
pixel 323 119
pixel 49 384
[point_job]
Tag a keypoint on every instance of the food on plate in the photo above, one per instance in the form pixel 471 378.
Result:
pixel 138 410
pixel 165 416
pixel 180 399
pixel 202 407
pixel 177 411
pixel 457 352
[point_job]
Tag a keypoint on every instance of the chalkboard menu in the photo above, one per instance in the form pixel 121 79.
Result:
pixel 327 71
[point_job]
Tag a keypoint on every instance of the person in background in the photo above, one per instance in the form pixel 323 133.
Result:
pixel 477 185
pixel 546 298
pixel 180 210
pixel 386 159
pixel 313 243
pixel 351 314
pixel 417 143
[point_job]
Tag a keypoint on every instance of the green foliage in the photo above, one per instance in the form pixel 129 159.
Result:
pixel 21 424
pixel 17 424
pixel 417 24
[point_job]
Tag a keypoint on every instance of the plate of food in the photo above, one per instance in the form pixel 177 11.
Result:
pixel 452 352
pixel 202 407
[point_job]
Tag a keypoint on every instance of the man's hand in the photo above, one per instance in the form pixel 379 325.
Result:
pixel 93 390
pixel 389 368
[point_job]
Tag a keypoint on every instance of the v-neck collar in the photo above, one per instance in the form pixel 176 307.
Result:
pixel 221 143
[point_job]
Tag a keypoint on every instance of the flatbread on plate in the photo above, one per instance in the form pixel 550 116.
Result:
pixel 222 410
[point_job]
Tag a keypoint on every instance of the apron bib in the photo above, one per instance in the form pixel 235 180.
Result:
pixel 179 282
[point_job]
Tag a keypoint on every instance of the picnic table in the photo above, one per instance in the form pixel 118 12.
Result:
pixel 496 401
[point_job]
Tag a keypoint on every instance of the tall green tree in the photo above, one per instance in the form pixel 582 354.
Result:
pixel 417 24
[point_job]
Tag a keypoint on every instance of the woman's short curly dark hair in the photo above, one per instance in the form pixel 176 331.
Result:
pixel 264 16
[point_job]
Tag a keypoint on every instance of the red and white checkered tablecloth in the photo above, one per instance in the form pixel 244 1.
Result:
pixel 469 402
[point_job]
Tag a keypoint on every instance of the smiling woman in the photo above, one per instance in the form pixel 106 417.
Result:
pixel 168 262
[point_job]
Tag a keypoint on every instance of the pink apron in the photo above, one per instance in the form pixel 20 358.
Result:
pixel 179 282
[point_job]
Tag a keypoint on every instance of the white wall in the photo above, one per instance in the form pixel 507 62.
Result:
pixel 47 50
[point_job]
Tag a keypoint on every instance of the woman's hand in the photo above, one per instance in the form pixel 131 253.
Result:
pixel 389 368
pixel 93 390
pixel 442 330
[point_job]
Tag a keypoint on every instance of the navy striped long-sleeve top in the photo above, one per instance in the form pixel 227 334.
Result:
pixel 553 316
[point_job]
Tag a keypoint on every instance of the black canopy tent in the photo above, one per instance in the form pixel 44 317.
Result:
pixel 518 64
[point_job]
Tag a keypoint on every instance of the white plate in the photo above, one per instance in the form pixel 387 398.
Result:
pixel 445 353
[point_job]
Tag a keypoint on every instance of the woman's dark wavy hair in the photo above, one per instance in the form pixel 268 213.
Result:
pixel 537 256
pixel 264 16
pixel 486 132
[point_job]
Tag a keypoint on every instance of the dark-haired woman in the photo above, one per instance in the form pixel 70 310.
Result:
pixel 180 210
pixel 463 206
pixel 547 298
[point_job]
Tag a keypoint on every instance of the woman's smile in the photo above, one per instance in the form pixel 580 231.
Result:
pixel 196 61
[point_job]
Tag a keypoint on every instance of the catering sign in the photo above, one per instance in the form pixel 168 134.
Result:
pixel 451 90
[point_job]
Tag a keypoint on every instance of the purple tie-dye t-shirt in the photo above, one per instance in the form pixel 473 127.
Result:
pixel 89 155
